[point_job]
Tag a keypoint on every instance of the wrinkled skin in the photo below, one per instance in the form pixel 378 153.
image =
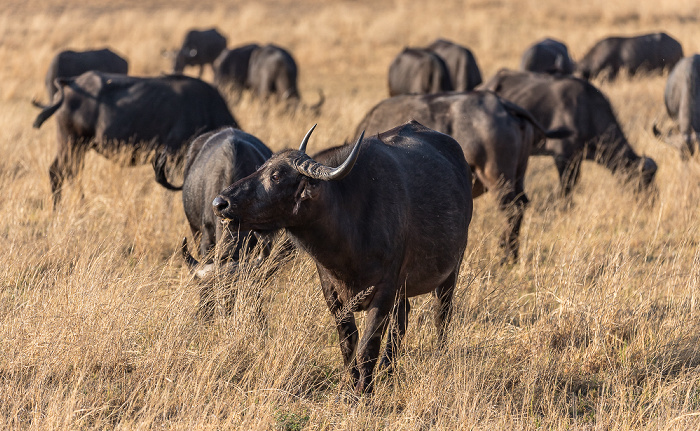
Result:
pixel 118 115
pixel 462 67
pixel 657 52
pixel 67 64
pixel 372 231
pixel 418 71
pixel 547 56
pixel 566 101
pixel 495 135
pixel 200 47
pixel 682 99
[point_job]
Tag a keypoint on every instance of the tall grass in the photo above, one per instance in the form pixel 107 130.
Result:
pixel 595 328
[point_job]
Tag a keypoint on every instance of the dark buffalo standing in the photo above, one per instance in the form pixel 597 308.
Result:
pixel 268 71
pixel 214 161
pixel 199 48
pixel 119 115
pixel 682 98
pixel 547 56
pixel 385 220
pixel 67 64
pixel 461 64
pixel 495 135
pixel 418 71
pixel 647 53
pixel 231 67
pixel 566 101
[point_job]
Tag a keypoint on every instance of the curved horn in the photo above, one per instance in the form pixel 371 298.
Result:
pixel 318 171
pixel 191 261
pixel 305 141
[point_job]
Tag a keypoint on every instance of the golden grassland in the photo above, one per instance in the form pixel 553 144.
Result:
pixel 597 326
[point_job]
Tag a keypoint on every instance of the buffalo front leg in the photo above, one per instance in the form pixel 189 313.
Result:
pixel 397 330
pixel 376 322
pixel 345 325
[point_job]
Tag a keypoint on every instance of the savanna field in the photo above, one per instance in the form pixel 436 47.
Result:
pixel 596 327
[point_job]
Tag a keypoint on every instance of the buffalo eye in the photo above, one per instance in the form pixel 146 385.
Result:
pixel 275 177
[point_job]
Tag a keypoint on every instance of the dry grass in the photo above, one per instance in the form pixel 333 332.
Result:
pixel 596 328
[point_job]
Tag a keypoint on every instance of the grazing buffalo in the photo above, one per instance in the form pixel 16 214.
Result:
pixel 418 71
pixel 199 48
pixel 566 101
pixel 646 53
pixel 214 161
pixel 495 135
pixel 547 56
pixel 231 67
pixel 67 64
pixel 385 220
pixel 267 71
pixel 461 64
pixel 119 115
pixel 682 98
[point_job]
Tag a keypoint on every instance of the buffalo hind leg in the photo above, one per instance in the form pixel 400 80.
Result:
pixel 443 311
pixel 67 164
pixel 513 204
pixel 397 330
pixel 569 169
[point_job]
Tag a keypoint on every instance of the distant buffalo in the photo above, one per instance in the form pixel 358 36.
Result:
pixel 682 99
pixel 547 56
pixel 123 116
pixel 496 137
pixel 200 47
pixel 566 101
pixel 418 71
pixel 268 71
pixel 655 52
pixel 461 64
pixel 67 64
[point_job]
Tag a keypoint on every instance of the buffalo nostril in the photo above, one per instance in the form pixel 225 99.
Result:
pixel 220 204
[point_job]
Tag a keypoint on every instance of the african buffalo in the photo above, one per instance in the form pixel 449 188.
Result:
pixel 214 161
pixel 547 56
pixel 200 47
pixel 461 64
pixel 67 64
pixel 495 135
pixel 682 98
pixel 267 71
pixel 231 67
pixel 418 71
pixel 384 220
pixel 119 115
pixel 573 103
pixel 646 53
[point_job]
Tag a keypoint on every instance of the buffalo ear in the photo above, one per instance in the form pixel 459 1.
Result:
pixel 308 189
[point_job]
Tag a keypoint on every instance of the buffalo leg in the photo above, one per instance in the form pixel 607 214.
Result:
pixel 397 329
pixel 377 320
pixel 569 169
pixel 514 204
pixel 345 325
pixel 443 311
pixel 66 165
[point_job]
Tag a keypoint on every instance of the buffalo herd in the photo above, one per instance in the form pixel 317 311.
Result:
pixel 386 218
